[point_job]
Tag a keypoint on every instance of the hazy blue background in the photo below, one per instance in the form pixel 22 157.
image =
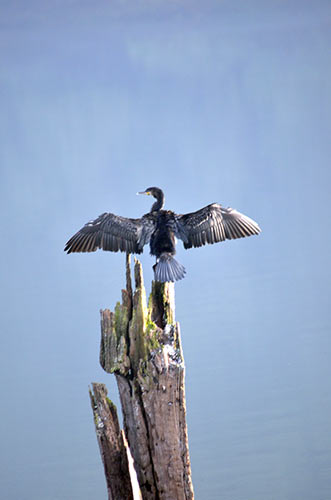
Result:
pixel 225 101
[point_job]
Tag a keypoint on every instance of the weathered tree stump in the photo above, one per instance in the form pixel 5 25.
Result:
pixel 112 445
pixel 141 345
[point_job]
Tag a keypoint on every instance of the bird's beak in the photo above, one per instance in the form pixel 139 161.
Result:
pixel 144 192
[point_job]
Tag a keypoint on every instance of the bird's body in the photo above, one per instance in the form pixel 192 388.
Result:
pixel 163 237
pixel 160 228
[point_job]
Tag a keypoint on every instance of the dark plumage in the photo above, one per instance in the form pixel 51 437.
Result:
pixel 159 228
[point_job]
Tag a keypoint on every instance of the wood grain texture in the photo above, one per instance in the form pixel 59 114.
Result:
pixel 141 345
pixel 111 444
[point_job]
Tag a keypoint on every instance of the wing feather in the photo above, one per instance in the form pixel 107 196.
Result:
pixel 113 233
pixel 212 224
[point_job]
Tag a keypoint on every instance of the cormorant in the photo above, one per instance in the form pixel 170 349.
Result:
pixel 160 228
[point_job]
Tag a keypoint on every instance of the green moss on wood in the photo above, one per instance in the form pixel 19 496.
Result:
pixel 135 331
pixel 152 336
pixel 121 320
pixel 111 405
pixel 114 348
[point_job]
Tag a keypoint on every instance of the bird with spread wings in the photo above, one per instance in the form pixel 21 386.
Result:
pixel 159 228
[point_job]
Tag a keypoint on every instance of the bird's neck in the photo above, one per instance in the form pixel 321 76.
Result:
pixel 158 205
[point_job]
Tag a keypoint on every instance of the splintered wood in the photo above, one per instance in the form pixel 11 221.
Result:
pixel 141 345
pixel 112 445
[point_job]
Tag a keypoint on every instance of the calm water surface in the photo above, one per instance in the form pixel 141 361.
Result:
pixel 226 102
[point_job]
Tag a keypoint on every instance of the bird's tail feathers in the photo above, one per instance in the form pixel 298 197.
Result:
pixel 168 269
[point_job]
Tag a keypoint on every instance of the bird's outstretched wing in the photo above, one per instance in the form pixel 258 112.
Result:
pixel 114 233
pixel 212 224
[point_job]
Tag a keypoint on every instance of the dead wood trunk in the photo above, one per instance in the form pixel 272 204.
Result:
pixel 142 346
pixel 112 445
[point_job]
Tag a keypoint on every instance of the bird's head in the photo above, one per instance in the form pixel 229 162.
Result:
pixel 153 191
pixel 158 194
